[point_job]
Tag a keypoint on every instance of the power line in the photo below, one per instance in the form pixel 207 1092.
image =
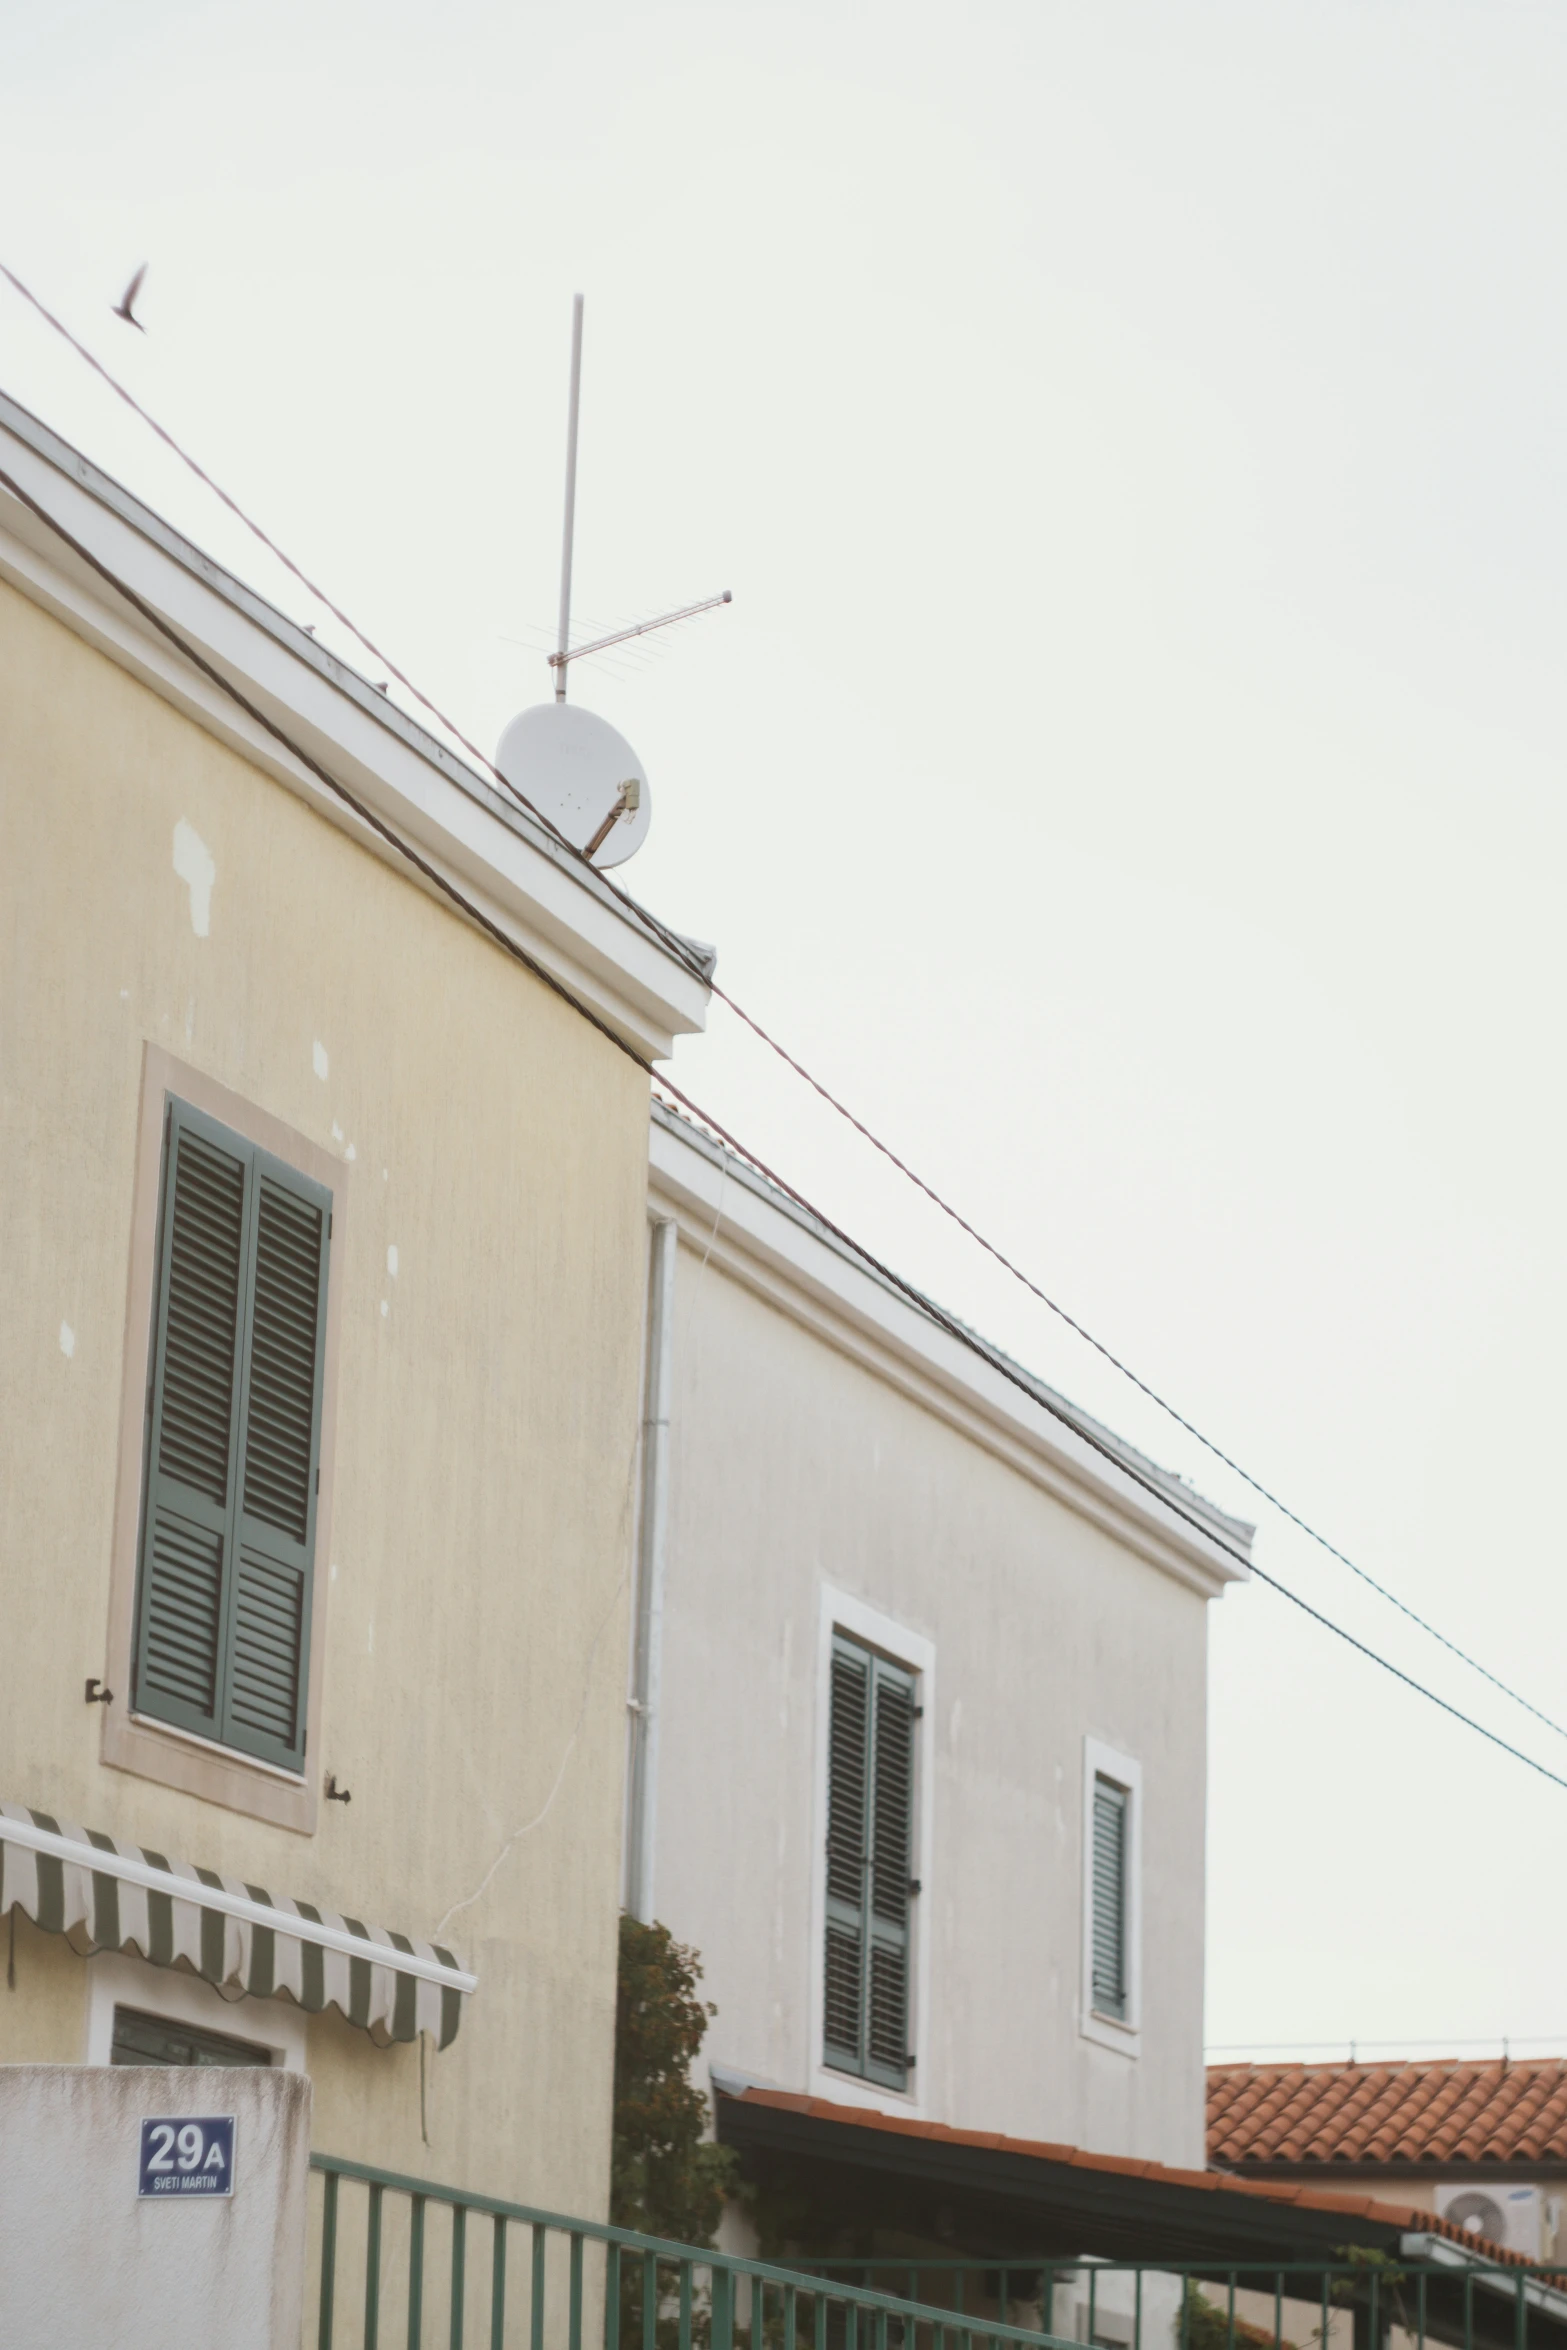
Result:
pixel 1281 2049
pixel 221 494
pixel 1217 1451
pixel 1058 1411
pixel 669 939
pixel 340 790
pixel 916 1297
pixel 682 951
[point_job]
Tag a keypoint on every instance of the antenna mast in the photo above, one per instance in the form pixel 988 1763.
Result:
pixel 569 528
pixel 570 766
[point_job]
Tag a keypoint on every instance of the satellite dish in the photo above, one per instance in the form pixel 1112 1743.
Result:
pixel 577 771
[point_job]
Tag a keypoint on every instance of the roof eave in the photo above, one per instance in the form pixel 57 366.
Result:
pixel 740 1221
pixel 1095 2203
pixel 562 912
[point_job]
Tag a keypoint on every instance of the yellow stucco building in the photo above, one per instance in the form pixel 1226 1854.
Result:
pixel 323 1243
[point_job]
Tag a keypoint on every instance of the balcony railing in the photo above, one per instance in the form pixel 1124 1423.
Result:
pixel 406 2259
pixel 1431 2291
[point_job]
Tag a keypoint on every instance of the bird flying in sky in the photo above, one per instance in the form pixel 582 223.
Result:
pixel 124 307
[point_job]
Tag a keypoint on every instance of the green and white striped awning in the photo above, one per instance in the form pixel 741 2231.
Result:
pixel 104 1895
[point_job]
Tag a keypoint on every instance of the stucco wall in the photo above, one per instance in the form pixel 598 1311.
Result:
pixel 793 1467
pixel 476 1591
pixel 84 2258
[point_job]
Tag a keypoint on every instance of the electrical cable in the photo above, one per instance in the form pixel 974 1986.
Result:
pixel 1290 2048
pixel 367 816
pixel 255 529
pixel 671 940
pixel 922 1304
pixel 1009 1371
pixel 681 949
pixel 1062 1314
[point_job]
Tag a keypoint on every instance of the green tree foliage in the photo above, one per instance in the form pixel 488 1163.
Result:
pixel 1204 2326
pixel 668 2178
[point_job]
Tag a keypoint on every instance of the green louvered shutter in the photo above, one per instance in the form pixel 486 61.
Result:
pixel 870 1798
pixel 892 1799
pixel 267 1645
pixel 1109 1896
pixel 848 1795
pixel 193 1441
pixel 233 1450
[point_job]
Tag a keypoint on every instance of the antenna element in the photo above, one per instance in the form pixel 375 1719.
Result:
pixel 569 528
pixel 664 620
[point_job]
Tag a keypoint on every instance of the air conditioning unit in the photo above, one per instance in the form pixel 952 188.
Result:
pixel 1508 2216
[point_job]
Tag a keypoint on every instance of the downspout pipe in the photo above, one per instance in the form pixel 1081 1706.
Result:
pixel 652 1553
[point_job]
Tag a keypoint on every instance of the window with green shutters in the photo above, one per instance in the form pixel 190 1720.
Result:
pixel 232 1473
pixel 1110 1988
pixel 870 1832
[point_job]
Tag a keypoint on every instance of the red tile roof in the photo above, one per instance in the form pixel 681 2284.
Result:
pixel 1282 2191
pixel 1437 2114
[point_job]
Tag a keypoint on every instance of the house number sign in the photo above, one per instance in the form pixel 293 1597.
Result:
pixel 187 2154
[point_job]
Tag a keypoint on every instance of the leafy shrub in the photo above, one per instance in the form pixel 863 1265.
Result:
pixel 668 2178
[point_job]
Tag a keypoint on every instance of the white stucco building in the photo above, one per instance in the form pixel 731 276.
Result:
pixel 918 1724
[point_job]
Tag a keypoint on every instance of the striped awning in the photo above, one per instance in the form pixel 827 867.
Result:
pixel 104 1895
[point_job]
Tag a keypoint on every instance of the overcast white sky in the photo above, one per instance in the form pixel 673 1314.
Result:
pixel 1130 770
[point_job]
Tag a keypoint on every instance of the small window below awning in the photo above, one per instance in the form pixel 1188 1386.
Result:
pixel 105 1895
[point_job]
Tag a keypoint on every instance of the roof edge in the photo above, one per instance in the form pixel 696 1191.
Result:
pixel 1176 1527
pixel 651 992
pixel 1403 2218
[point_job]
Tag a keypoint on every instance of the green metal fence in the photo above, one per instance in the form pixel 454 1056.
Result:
pixel 1431 2291
pixel 407 2260
pixel 404 2259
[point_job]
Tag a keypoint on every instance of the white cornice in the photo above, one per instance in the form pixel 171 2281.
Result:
pixel 499 856
pixel 729 1215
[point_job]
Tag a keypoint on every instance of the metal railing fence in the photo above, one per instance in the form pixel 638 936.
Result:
pixel 1431 2291
pixel 397 2257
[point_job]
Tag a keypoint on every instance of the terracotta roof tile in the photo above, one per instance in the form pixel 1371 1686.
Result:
pixel 1456 2113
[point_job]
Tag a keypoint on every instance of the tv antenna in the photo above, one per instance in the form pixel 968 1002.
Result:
pixel 574 767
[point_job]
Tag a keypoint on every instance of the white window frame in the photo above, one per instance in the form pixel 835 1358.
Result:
pixel 1124 2035
pixel 117 1981
pixel 841 1612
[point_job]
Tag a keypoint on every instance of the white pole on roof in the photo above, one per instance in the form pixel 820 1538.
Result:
pixel 569 527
